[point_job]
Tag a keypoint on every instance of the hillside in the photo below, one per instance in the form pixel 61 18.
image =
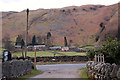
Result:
pixel 81 24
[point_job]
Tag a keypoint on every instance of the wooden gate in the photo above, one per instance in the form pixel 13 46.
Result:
pixel 99 58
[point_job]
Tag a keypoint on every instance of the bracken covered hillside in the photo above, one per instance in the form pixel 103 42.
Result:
pixel 80 24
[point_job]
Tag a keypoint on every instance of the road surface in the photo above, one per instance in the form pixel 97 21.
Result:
pixel 60 70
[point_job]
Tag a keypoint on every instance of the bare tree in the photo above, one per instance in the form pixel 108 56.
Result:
pixel 39 39
pixel 7 44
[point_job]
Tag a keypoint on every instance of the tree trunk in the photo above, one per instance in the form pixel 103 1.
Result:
pixel 22 52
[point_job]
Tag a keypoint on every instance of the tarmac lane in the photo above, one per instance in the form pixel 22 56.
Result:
pixel 59 70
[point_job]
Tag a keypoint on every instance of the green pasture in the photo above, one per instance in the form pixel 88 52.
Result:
pixel 38 54
pixel 48 53
pixel 87 47
pixel 72 53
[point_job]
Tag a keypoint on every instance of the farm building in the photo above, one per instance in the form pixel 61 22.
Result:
pixel 55 48
pixel 65 49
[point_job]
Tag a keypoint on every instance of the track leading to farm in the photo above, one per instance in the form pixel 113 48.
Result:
pixel 60 70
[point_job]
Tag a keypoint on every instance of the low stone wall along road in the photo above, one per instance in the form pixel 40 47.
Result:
pixel 60 70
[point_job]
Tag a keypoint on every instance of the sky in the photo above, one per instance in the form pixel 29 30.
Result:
pixel 20 5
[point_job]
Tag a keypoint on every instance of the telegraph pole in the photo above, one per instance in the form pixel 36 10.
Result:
pixel 26 36
pixel 118 32
pixel 118 36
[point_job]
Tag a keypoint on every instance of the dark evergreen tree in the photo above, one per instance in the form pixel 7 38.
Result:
pixel 22 43
pixel 48 35
pixel 65 41
pixel 22 46
pixel 97 38
pixel 34 40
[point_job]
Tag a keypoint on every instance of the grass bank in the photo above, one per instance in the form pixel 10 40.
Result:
pixel 45 63
pixel 34 73
pixel 83 73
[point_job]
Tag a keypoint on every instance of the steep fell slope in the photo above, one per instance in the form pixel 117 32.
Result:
pixel 79 24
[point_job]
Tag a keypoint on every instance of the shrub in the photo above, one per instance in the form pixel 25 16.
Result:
pixel 97 38
pixel 101 6
pixel 110 49
pixel 91 54
pixel 81 30
pixel 63 10
pixel 92 8
pixel 84 10
pixel 78 33
pixel 74 9
pixel 101 24
pixel 69 11
pixel 102 29
pixel 107 18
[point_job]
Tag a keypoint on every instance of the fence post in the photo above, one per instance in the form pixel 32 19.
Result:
pixel 98 59
pixel 103 59
pixel 95 58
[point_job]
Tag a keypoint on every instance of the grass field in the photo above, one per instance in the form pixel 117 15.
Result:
pixel 38 53
pixel 71 53
pixel 87 47
pixel 48 53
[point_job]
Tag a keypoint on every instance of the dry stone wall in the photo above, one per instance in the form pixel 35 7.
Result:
pixel 0 66
pixel 103 71
pixel 16 68
pixel 60 59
